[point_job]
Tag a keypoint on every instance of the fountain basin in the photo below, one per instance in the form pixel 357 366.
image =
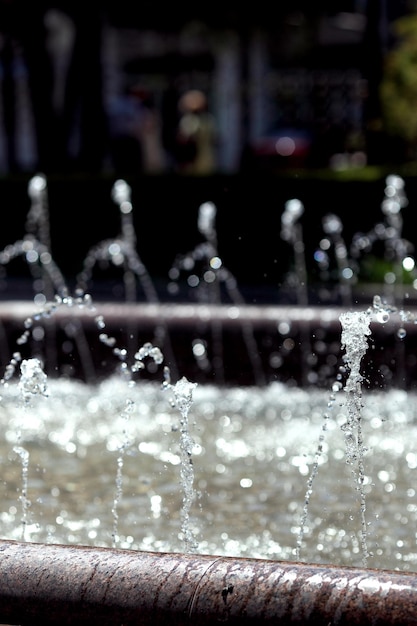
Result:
pixel 50 584
pixel 245 345
pixel 254 457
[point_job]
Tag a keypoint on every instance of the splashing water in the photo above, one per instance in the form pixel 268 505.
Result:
pixel 148 350
pixel 243 428
pixel 354 339
pixel 292 232
pixel 360 259
pixel 33 382
pixel 314 471
pixel 333 228
pixel 208 278
pixel 23 454
pixel 183 398
pixel 254 450
pixel 119 473
pixel 355 331
pixel 35 246
pixel 389 233
pixel 121 252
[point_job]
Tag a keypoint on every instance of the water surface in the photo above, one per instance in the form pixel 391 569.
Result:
pixel 254 451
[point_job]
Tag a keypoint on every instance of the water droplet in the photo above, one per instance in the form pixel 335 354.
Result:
pixel 382 317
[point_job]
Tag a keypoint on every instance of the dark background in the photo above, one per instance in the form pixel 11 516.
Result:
pixel 250 200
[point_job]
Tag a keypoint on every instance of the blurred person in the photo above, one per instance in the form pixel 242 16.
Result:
pixel 150 130
pixel 136 133
pixel 196 136
pixel 125 118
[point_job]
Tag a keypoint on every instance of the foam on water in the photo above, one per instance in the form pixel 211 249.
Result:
pixel 252 454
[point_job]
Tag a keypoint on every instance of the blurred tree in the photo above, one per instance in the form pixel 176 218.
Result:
pixel 398 89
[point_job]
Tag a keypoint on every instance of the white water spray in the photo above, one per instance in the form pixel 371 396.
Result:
pixel 355 333
pixel 33 382
pixel 183 398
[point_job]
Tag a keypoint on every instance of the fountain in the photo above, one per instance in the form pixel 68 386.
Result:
pixel 119 467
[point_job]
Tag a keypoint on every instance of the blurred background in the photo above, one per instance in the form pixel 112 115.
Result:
pixel 246 105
